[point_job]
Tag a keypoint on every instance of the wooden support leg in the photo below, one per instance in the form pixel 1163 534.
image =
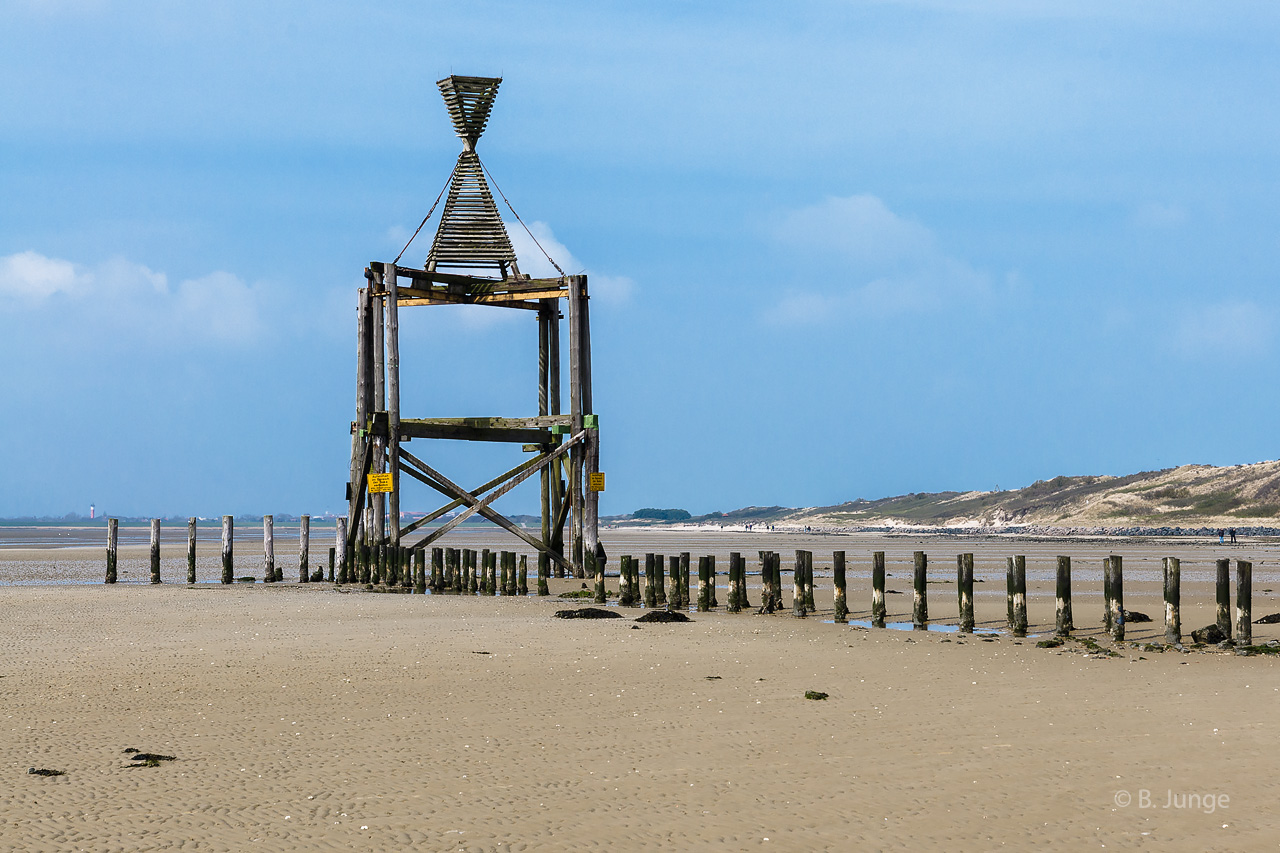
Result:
pixel 1223 597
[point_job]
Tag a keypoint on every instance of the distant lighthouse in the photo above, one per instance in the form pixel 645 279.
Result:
pixel 92 511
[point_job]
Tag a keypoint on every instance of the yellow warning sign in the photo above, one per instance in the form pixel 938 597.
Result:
pixel 595 481
pixel 379 483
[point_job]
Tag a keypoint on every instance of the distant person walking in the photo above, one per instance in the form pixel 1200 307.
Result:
pixel 1232 534
pixel 1221 534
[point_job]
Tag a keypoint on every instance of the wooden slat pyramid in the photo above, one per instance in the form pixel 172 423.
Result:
pixel 471 234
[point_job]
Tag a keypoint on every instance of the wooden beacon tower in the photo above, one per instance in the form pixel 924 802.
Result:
pixel 471 262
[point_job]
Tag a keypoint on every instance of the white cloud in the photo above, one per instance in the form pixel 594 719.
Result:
pixel 1232 329
pixel 611 290
pixel 870 262
pixel 1157 215
pixel 30 277
pixel 123 297
pixel 858 228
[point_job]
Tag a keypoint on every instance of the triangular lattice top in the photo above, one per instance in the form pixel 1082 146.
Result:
pixel 471 234
pixel 469 100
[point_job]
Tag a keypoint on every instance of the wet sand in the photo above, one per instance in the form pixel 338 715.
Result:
pixel 306 718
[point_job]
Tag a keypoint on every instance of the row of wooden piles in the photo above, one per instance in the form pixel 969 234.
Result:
pixel 664 581
pixel 650 590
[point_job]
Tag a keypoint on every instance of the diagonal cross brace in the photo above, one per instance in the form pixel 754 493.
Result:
pixel 457 502
pixel 480 504
pixel 491 515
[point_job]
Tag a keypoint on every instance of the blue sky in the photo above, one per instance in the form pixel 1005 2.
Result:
pixel 838 250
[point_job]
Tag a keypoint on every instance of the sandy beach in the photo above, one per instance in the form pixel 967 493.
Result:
pixel 302 717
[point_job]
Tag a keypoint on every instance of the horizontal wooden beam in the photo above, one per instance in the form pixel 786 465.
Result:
pixel 467 300
pixel 414 428
pixel 523 299
pixel 473 283
pixel 536 422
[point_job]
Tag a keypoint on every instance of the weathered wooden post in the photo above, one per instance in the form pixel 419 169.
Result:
pixel 1244 603
pixel 600 559
pixel 744 600
pixel 810 605
pixel 113 539
pixel 1064 622
pixel 228 545
pixel 268 549
pixel 450 569
pixel 650 583
pixel 685 585
pixel 332 554
pixel 1008 596
pixel 155 550
pixel 966 593
pixel 191 550
pixel 704 571
pixel 878 609
pixel 838 579
pixel 1019 596
pixel 342 557
pixel 484 571
pixel 775 561
pixel 624 580
pixel 735 582
pixel 522 579
pixel 1172 600
pixel 511 573
pixel 1106 594
pixel 420 570
pixel 1117 597
pixel 437 569
pixel 797 585
pixel 678 597
pixel 406 567
pixel 490 573
pixel 711 582
pixel 304 549
pixel 660 580
pixel 766 581
pixel 733 605
pixel 1223 615
pixel 920 605
pixel 544 568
